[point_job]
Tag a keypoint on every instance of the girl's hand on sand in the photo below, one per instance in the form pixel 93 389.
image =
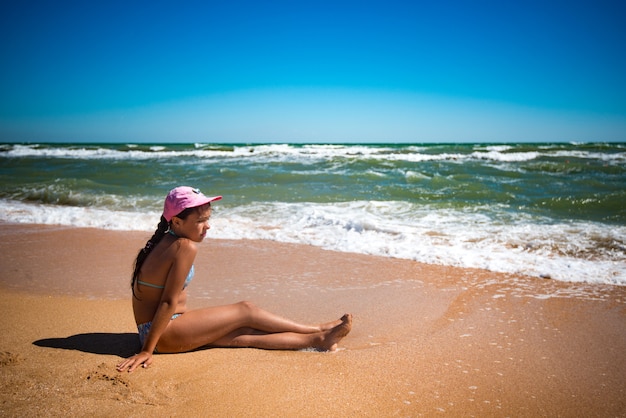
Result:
pixel 144 359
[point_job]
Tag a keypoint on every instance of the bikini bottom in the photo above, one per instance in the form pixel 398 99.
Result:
pixel 144 329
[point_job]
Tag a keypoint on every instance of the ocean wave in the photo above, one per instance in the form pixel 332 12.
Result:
pixel 487 237
pixel 76 216
pixel 579 252
pixel 129 152
pixel 308 153
pixel 79 193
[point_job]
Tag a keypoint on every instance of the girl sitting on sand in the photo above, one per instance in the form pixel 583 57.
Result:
pixel 163 270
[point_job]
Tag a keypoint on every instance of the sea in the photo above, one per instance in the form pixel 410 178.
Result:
pixel 553 211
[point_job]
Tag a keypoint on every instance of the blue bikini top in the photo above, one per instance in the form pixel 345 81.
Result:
pixel 187 280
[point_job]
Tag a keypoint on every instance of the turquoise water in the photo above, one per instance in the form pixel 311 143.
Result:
pixel 553 210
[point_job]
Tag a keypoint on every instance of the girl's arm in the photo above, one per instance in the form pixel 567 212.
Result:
pixel 183 260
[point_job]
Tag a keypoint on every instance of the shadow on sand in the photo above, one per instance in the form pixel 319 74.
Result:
pixel 122 345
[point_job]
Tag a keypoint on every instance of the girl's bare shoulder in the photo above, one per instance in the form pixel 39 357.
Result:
pixel 184 247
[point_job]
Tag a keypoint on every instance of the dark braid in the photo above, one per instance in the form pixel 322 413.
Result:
pixel 143 253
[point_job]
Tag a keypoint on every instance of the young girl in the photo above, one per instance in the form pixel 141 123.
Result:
pixel 163 270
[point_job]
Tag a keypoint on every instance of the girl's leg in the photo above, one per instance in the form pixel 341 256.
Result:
pixel 324 340
pixel 202 327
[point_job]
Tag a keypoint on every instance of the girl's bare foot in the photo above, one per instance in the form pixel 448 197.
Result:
pixel 331 337
pixel 332 324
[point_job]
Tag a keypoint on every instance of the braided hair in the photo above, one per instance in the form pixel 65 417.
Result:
pixel 143 253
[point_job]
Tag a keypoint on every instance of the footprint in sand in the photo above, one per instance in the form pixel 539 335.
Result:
pixel 101 375
pixel 111 385
pixel 7 358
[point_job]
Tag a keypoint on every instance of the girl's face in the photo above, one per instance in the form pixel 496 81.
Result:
pixel 194 226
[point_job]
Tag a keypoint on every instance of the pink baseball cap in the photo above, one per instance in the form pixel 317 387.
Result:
pixel 182 198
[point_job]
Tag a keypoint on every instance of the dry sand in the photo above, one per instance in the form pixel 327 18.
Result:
pixel 427 340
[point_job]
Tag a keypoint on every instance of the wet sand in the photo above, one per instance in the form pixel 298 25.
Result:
pixel 426 340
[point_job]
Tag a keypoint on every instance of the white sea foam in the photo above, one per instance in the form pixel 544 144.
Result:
pixel 81 217
pixel 306 153
pixel 478 238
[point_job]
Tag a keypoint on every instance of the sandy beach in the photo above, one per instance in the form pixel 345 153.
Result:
pixel 427 340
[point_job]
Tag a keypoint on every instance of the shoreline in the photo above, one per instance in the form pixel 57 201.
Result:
pixel 132 241
pixel 426 339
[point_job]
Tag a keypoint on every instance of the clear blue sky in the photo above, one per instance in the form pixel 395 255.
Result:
pixel 302 71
